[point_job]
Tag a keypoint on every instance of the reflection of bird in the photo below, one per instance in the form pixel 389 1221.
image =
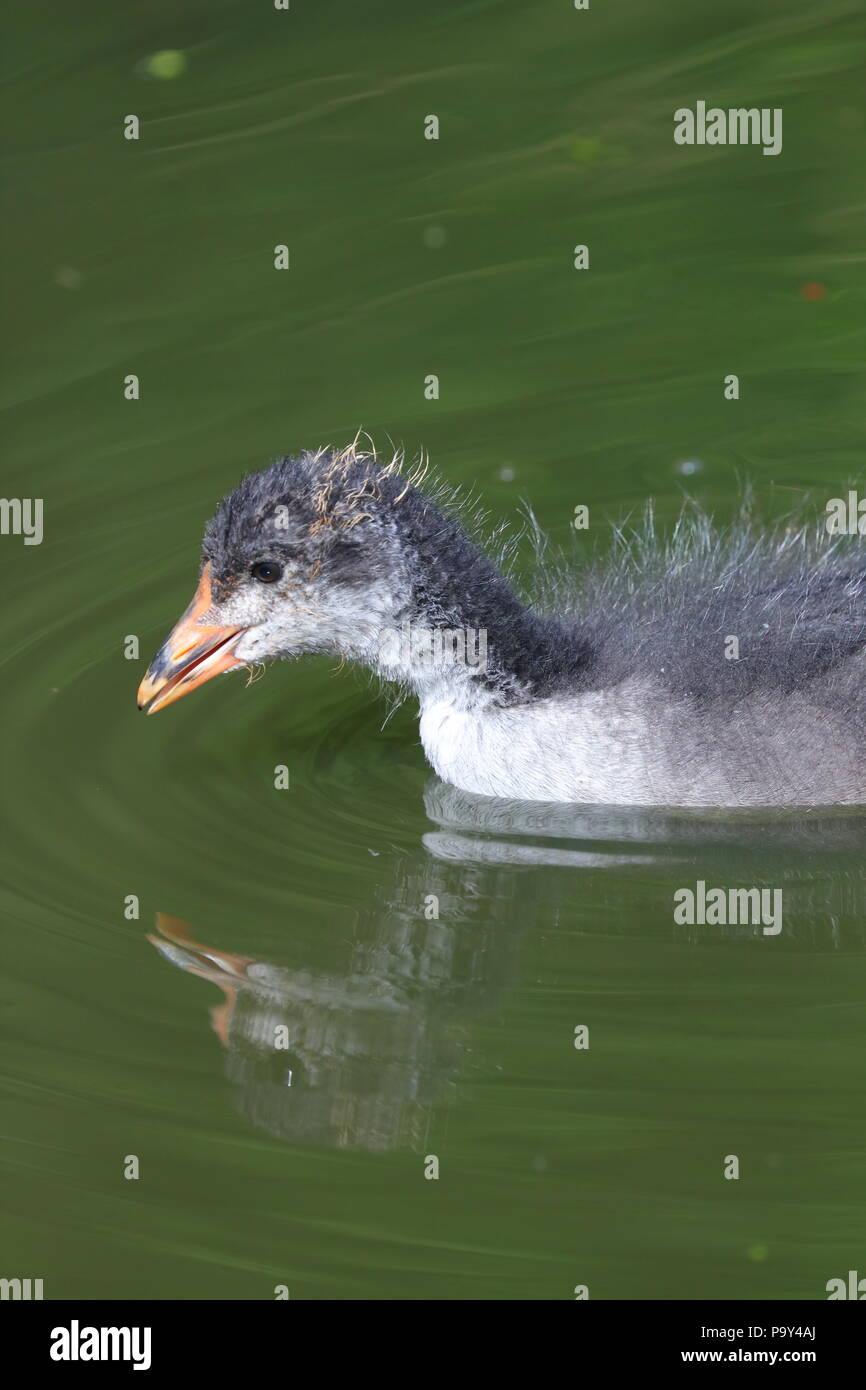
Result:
pixel 335 1059
pixel 365 1048
pixel 360 1054
pixel 718 671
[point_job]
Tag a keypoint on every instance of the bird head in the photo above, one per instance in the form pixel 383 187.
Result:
pixel 302 557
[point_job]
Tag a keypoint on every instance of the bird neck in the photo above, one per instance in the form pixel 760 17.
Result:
pixel 462 634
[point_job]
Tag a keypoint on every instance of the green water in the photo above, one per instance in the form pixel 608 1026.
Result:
pixel 408 1036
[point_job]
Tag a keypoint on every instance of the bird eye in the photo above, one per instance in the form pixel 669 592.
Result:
pixel 266 571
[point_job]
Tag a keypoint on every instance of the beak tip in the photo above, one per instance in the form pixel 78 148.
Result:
pixel 144 694
pixel 194 651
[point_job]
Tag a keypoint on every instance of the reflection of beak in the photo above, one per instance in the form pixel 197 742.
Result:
pixel 177 945
pixel 192 654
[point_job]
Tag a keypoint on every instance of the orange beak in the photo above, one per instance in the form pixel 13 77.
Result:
pixel 193 652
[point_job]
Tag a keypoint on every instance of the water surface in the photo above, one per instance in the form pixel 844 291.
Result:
pixel 309 908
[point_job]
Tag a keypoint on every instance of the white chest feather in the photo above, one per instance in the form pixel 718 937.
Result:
pixel 632 747
pixel 581 749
